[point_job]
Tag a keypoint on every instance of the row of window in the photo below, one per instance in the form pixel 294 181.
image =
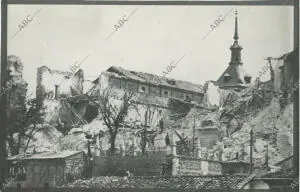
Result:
pixel 155 90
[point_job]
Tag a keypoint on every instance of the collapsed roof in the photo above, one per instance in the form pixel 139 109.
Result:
pixel 155 79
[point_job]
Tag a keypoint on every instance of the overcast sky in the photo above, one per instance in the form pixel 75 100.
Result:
pixel 154 36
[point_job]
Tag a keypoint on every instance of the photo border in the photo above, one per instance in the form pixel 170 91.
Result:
pixel 5 3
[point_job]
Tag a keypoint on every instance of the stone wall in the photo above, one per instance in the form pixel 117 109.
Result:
pixel 182 165
pixel 136 165
pixel 189 166
pixel 204 163
pixel 235 167
pixel 208 137
pixel 214 168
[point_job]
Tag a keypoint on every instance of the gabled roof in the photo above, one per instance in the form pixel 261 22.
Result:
pixel 236 74
pixel 155 79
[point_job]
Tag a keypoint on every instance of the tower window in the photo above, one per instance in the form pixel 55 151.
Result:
pixel 247 79
pixel 227 77
pixel 166 93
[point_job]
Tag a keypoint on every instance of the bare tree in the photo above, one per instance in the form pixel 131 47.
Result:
pixel 148 136
pixel 29 122
pixel 34 121
pixel 113 112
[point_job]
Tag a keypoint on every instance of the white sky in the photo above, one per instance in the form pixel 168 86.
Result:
pixel 60 35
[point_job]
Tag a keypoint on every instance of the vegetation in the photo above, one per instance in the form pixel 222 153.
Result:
pixel 24 115
pixel 113 112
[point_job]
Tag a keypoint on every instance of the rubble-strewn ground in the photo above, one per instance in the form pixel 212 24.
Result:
pixel 183 182
pixel 272 127
pixel 46 139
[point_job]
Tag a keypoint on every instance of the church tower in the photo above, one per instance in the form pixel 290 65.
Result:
pixel 234 77
pixel 236 48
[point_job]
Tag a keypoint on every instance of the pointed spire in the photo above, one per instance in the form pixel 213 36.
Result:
pixel 236 48
pixel 236 36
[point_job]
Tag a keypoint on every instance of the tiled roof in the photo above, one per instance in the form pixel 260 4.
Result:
pixel 44 155
pixel 183 182
pixel 155 79
pixel 237 73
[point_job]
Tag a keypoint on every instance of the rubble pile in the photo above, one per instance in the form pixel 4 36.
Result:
pixel 271 125
pixel 183 182
pixel 45 140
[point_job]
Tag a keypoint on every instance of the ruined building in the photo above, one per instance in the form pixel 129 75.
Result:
pixel 173 101
pixel 151 85
pixel 234 77
pixel 16 90
pixel 53 87
pixel 53 83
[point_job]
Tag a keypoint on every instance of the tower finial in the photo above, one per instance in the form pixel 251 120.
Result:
pixel 236 36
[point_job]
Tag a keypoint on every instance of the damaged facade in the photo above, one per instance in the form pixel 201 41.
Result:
pixel 53 88
pixel 284 69
pixel 53 84
pixel 151 85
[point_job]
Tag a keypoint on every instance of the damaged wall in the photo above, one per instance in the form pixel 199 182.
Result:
pixel 147 89
pixel 68 83
pixel 138 166
pixel 284 69
pixel 272 126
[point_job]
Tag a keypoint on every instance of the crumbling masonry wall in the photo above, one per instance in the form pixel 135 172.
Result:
pixel 68 83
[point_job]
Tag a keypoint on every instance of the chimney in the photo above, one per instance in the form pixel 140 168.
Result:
pixel 56 91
